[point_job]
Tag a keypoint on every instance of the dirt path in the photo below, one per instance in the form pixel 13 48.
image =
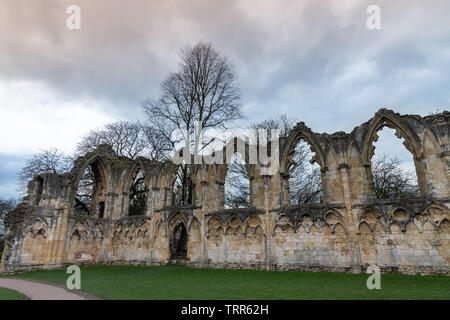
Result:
pixel 37 290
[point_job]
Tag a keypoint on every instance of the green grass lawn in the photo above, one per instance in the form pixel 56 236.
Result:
pixel 178 282
pixel 6 294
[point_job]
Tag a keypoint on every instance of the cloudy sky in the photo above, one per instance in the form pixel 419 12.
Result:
pixel 315 60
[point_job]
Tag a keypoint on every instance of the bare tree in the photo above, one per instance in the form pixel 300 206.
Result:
pixel 158 146
pixel 138 195
pixel 202 92
pixel 391 181
pixel 45 161
pixel 128 139
pixel 85 190
pixel 237 185
pixel 6 206
pixel 305 182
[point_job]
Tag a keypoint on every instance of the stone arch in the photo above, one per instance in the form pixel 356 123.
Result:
pixel 339 228
pixel 282 224
pixel 372 217
pixel 306 222
pixel 195 244
pixel 162 179
pixel 193 222
pixel 253 225
pixel 364 227
pixel 411 141
pixel 143 230
pixel 234 226
pixel 137 190
pixel 98 231
pixel 130 172
pixel 237 175
pixel 80 231
pixel 159 229
pixel 129 231
pixel 437 173
pixel 39 189
pixel 368 214
pixel 403 130
pixel 302 132
pixel 182 184
pixel 334 220
pixel 117 230
pixel 179 237
pixel 103 170
pixel 101 185
pixel 400 216
pixel 215 227
pixel 437 214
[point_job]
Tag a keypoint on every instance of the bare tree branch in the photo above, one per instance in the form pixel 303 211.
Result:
pixel 45 161
pixel 128 139
pixel 202 91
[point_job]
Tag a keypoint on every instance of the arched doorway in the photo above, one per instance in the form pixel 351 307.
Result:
pixel 179 241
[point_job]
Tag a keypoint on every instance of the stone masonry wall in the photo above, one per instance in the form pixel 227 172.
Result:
pixel 350 231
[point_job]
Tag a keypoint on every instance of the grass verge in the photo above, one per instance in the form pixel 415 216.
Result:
pixel 178 282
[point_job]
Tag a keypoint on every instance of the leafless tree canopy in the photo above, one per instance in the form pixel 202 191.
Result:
pixel 6 206
pixel 138 195
pixel 127 139
pixel 391 181
pixel 85 191
pixel 45 161
pixel 237 185
pixel 305 180
pixel 203 91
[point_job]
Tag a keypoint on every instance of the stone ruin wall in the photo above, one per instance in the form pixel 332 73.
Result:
pixel 350 231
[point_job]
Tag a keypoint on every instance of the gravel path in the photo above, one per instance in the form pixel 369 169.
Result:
pixel 37 290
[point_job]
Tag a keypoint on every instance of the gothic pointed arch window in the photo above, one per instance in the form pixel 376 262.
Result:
pixel 392 166
pixel 91 191
pixel 237 184
pixel 179 240
pixel 39 188
pixel 305 179
pixel 182 186
pixel 138 194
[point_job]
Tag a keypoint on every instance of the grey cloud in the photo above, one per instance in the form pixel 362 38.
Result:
pixel 289 55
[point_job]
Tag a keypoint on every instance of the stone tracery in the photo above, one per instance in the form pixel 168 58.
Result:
pixel 350 230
